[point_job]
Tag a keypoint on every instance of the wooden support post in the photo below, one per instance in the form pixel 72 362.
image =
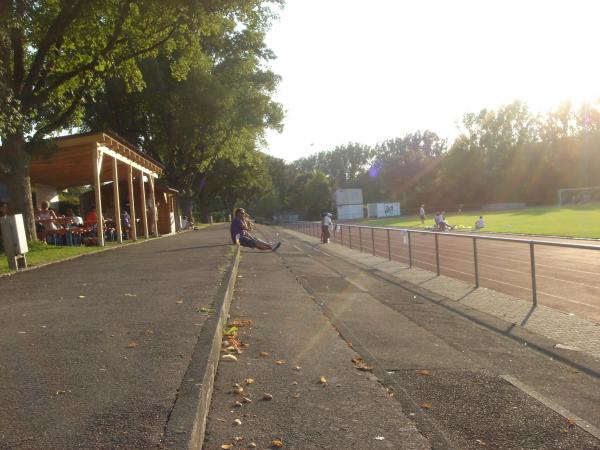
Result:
pixel 143 209
pixel 133 231
pixel 117 201
pixel 153 206
pixel 97 162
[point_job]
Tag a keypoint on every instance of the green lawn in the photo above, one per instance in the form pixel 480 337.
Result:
pixel 574 221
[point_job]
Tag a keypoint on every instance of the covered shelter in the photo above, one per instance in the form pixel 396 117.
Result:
pixel 97 158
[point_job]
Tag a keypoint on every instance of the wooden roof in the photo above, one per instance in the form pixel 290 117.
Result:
pixel 72 163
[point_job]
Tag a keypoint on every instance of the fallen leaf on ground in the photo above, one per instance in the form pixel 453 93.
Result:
pixel 264 353
pixel 564 430
pixel 379 438
pixel 82 296
pixel 246 400
pixel 481 443
pixel 296 396
pixel 240 323
pixel 131 344
pixel 249 380
pixel 267 397
pixel 280 362
pixel 238 389
pixel 237 422
pixel 130 295
pixel 426 405
pixel 205 310
pixel 229 358
pixel 424 372
pixel 277 443
pixel 322 380
pixel 237 404
pixel 226 446
pixel 238 438
pixel 251 445
pixel 179 302
pixel 360 364
pixel 147 332
pixel 571 422
pixel 298 368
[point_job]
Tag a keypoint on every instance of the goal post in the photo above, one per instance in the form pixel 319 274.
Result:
pixel 574 196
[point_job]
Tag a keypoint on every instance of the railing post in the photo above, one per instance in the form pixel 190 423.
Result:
pixel 373 239
pixel 360 237
pixel 533 284
pixel 341 235
pixel 475 261
pixel 389 246
pixel 437 254
pixel 350 235
pixel 409 250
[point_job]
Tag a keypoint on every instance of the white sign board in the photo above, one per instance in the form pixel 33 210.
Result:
pixel 350 212
pixel 348 197
pixel 391 209
pixel 13 235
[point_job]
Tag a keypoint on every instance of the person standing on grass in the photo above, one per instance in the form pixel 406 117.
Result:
pixel 240 235
pixel 422 214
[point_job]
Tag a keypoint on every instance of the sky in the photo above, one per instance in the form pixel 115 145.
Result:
pixel 366 71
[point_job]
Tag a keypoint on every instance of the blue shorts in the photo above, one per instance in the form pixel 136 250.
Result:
pixel 245 241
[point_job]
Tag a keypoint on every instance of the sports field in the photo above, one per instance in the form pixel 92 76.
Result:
pixel 581 221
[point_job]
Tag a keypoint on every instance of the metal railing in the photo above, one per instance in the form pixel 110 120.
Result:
pixel 347 235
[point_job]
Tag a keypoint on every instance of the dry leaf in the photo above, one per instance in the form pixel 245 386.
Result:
pixel 237 389
pixel 481 443
pixel 237 422
pixel 264 354
pixel 571 422
pixel 426 405
pixel 564 430
pixel 179 302
pixel 297 368
pixel 238 438
pixel 82 296
pixel 237 404
pixel 296 395
pixel 131 344
pixel 230 358
pixel 130 295
pixel 249 380
pixel 424 372
pixel 251 445
pixel 246 400
pixel 226 446
pixel 323 380
pixel 147 332
pixel 280 362
pixel 277 443
pixel 267 397
pixel 240 323
pixel 360 364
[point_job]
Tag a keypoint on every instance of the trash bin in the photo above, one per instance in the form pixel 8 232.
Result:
pixel 14 240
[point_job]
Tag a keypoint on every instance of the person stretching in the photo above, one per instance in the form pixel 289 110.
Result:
pixel 240 233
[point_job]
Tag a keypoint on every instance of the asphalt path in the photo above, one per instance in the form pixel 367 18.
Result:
pixel 566 279
pixel 93 350
pixel 460 374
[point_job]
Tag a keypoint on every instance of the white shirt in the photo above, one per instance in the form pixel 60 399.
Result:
pixel 327 221
pixel 421 211
pixel 480 223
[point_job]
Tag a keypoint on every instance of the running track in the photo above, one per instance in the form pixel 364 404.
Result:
pixel 567 279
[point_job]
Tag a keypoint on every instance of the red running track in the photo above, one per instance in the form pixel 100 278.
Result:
pixel 567 279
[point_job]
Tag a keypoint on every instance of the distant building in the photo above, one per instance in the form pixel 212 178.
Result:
pixel 349 203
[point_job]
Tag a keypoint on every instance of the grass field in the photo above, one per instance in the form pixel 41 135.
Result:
pixel 581 221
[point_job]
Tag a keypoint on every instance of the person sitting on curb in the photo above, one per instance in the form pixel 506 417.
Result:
pixel 240 233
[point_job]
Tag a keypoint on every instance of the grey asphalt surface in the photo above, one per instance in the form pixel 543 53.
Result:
pixel 93 350
pixel 465 399
pixel 351 411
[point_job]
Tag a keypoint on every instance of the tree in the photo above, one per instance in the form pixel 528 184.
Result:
pixel 219 112
pixel 55 55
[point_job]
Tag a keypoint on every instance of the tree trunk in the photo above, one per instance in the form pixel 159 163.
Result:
pixel 15 160
pixel 204 216
pixel 186 205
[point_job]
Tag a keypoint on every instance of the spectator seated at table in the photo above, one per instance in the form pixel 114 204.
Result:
pixel 76 220
pixel 91 218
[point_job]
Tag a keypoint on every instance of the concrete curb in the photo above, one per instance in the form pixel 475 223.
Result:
pixel 187 421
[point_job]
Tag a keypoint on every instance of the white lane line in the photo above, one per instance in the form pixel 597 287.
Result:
pixel 581 423
pixel 298 248
pixel 355 284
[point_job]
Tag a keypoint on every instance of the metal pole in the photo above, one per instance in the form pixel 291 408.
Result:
pixel 475 261
pixel 373 239
pixel 360 237
pixel 350 234
pixel 342 235
pixel 533 286
pixel 437 255
pixel 389 246
pixel 409 250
